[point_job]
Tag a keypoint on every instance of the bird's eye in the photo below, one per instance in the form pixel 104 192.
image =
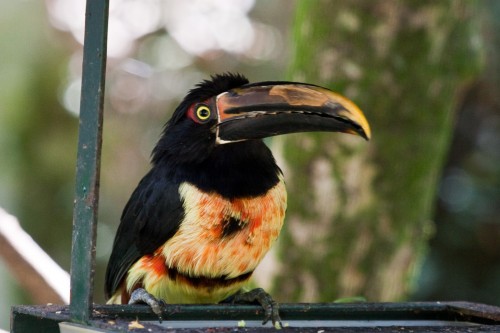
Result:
pixel 203 112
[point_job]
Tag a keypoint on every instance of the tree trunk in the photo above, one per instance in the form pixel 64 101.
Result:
pixel 467 212
pixel 359 212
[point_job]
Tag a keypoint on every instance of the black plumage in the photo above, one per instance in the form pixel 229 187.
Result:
pixel 186 152
pixel 214 201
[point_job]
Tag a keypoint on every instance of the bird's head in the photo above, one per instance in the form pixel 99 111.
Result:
pixel 228 109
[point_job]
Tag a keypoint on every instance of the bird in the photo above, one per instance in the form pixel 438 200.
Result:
pixel 214 201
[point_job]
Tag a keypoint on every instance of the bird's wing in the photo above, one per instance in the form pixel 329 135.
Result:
pixel 152 215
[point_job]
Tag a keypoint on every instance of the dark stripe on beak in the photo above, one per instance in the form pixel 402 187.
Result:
pixel 262 110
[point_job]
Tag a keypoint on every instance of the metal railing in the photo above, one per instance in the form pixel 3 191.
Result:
pixel 88 160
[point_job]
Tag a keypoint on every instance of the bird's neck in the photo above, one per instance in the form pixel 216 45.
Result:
pixel 234 170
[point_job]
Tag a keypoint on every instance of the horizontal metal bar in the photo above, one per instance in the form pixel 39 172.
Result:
pixel 453 311
pixel 458 315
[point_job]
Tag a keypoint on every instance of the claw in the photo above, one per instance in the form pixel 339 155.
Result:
pixel 270 306
pixel 140 295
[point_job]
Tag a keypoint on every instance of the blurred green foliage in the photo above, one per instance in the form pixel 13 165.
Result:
pixel 464 260
pixel 38 145
pixel 37 136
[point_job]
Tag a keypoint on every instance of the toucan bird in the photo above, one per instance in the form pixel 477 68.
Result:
pixel 214 201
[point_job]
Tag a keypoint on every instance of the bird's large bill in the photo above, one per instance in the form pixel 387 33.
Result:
pixel 265 109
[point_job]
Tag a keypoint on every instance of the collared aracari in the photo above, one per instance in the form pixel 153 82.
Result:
pixel 204 216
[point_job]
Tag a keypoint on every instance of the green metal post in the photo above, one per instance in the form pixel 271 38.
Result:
pixel 88 160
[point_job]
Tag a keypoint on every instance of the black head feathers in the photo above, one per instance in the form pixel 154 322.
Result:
pixel 218 84
pixel 183 140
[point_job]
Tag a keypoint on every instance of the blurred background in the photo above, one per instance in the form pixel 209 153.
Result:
pixel 158 49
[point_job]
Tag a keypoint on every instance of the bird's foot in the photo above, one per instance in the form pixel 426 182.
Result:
pixel 270 306
pixel 140 295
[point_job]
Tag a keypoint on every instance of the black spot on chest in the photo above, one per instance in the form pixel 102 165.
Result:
pixel 231 226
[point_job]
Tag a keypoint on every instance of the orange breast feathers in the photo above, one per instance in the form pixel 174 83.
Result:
pixel 221 240
pixel 222 237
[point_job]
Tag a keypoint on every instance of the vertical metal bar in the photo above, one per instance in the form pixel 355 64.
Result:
pixel 88 160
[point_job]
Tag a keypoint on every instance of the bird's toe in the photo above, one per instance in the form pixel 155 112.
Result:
pixel 270 306
pixel 140 295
